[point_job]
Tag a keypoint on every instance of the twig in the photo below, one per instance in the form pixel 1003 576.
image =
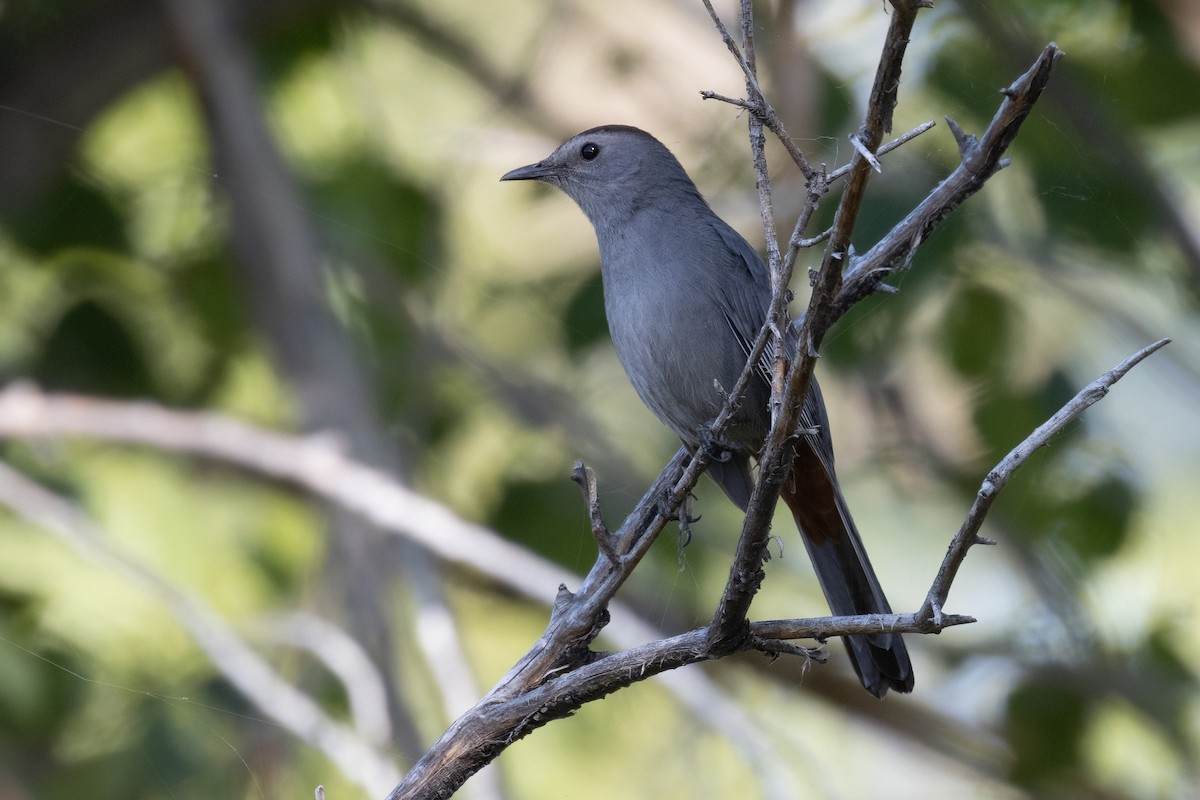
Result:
pixel 866 154
pixel 737 102
pixel 757 103
pixel 729 624
pixel 887 148
pixel 1111 145
pixel 796 242
pixel 482 733
pixel 778 270
pixel 968 534
pixel 583 475
pixel 745 575
pixel 799 244
pixel 560 672
pixel 981 159
pixel 877 121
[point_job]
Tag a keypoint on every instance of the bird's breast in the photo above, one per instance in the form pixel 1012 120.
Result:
pixel 671 336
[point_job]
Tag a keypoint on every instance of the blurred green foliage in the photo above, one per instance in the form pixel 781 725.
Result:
pixel 477 311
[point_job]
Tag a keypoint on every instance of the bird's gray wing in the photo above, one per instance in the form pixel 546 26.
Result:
pixel 745 294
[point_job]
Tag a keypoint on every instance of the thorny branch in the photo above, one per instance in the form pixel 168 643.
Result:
pixel 981 158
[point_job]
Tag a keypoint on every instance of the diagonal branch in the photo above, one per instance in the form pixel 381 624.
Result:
pixel 318 463
pixel 561 673
pixel 877 121
pixel 504 716
pixel 981 159
pixel 757 104
pixel 968 534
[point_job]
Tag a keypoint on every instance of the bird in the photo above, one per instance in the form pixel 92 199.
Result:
pixel 686 296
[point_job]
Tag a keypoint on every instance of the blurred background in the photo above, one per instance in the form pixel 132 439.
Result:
pixel 288 212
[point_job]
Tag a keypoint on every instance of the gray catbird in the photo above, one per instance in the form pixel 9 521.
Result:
pixel 686 296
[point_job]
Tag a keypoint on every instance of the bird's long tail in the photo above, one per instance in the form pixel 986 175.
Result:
pixel 843 570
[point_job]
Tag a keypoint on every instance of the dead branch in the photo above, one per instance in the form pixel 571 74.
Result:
pixel 968 534
pixel 502 717
pixel 561 673
pixel 791 386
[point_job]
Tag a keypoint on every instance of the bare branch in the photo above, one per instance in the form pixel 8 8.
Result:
pixel 560 672
pixel 968 534
pixel 757 103
pixel 981 159
pixel 877 122
pixel 862 150
pixel 887 148
pixel 779 270
pixel 799 244
pixel 483 733
pixel 583 475
pixel 318 464
pixel 315 462
pixel 817 190
pixel 480 735
pixel 746 573
pixel 733 101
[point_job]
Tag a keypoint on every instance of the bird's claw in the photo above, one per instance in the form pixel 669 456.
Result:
pixel 681 516
pixel 713 446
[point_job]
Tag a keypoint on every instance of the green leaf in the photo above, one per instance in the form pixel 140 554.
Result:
pixel 72 213
pixel 977 332
pixel 370 214
pixel 92 350
pixel 1045 723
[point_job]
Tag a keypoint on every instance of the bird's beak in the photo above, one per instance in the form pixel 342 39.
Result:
pixel 540 171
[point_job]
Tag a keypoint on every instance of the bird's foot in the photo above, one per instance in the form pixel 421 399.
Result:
pixel 713 446
pixel 681 516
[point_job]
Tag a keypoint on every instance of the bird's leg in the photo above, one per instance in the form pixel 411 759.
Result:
pixel 685 520
pixel 682 516
pixel 712 445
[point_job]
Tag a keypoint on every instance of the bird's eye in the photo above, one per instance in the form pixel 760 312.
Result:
pixel 589 151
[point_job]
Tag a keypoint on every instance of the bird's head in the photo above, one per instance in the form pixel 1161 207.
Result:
pixel 612 172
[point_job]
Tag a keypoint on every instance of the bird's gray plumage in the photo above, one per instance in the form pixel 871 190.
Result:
pixel 686 296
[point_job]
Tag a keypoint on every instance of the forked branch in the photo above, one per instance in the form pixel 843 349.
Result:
pixel 561 672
